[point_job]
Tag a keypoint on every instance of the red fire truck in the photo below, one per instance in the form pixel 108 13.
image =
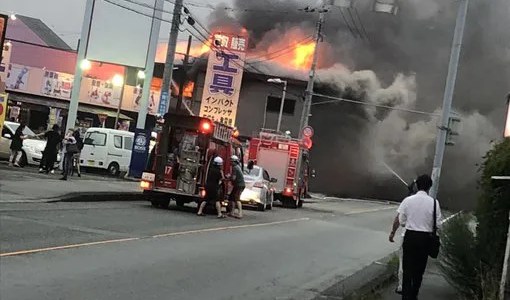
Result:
pixel 279 155
pixel 179 172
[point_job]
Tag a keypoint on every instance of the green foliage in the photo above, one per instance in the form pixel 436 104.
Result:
pixel 494 205
pixel 472 261
pixel 459 260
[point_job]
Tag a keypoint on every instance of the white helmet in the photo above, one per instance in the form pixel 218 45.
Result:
pixel 218 161
pixel 234 158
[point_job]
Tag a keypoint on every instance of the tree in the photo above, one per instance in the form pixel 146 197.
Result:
pixel 472 260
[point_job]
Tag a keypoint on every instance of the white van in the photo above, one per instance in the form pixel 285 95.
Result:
pixel 108 149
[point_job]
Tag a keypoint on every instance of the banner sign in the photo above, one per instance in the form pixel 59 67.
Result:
pixel 223 78
pixel 163 104
pixel 56 84
pixel 140 152
pixel 3 110
pixel 4 63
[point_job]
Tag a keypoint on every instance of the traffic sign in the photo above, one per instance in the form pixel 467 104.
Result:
pixel 308 131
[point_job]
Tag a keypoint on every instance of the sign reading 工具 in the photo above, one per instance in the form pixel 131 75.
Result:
pixel 223 78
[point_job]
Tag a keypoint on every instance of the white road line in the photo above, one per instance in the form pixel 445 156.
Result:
pixel 30 251
pixel 362 211
pixel 228 227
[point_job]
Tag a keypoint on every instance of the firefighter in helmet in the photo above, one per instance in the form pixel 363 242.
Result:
pixel 238 187
pixel 212 185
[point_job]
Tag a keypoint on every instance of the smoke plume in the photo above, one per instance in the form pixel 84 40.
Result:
pixel 400 61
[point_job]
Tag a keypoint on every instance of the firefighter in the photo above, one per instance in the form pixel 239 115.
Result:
pixel 238 187
pixel 212 185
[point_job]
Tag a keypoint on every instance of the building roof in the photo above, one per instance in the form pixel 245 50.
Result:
pixel 41 30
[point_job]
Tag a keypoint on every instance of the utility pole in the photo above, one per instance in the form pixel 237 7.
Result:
pixel 167 78
pixel 448 95
pixel 80 57
pixel 184 76
pixel 309 91
pixel 119 107
pixel 282 105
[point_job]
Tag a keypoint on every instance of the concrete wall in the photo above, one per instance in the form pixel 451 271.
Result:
pixel 250 112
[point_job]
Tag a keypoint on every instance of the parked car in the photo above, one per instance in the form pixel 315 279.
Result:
pixel 108 149
pixel 259 189
pixel 32 147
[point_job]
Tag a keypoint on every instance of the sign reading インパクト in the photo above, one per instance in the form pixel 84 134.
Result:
pixel 223 78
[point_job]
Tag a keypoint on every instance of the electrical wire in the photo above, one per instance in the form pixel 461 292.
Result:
pixel 361 24
pixel 339 99
pixel 347 23
pixel 354 23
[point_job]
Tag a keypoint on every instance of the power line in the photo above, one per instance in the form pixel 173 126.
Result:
pixel 347 23
pixel 354 23
pixel 339 99
pixel 361 23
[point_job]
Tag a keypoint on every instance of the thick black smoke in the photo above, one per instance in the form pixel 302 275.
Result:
pixel 409 53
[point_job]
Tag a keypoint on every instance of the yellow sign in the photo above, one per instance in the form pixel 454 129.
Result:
pixel 3 109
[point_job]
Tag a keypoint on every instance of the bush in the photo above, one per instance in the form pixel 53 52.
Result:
pixel 459 260
pixel 472 261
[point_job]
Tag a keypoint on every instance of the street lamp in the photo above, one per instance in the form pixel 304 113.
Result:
pixel 284 82
pixel 118 81
pixel 507 123
pixel 141 74
pixel 85 65
pixel 13 17
pixel 386 6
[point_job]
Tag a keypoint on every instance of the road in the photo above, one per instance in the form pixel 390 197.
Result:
pixel 128 250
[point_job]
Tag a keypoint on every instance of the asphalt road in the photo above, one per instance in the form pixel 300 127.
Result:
pixel 128 250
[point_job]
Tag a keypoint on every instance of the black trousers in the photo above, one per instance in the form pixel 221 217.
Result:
pixel 415 258
pixel 48 161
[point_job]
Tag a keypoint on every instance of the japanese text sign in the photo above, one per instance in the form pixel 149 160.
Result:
pixel 223 78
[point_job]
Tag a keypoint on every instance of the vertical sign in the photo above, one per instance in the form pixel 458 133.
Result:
pixel 223 78
pixel 163 103
pixel 140 152
pixel 3 29
pixel 3 110
pixel 6 60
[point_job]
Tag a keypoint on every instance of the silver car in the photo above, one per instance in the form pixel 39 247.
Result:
pixel 259 189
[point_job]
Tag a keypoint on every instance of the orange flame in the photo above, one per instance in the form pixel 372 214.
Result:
pixel 303 56
pixel 188 89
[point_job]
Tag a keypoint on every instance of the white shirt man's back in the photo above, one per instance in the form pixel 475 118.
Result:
pixel 417 212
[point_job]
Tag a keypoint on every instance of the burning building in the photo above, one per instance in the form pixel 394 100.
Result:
pixel 394 60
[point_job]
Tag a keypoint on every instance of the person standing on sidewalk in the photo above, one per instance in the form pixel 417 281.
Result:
pixel 417 213
pixel 70 149
pixel 76 156
pixel 17 146
pixel 53 140
pixel 238 187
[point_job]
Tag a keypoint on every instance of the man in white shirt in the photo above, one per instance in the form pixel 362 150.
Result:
pixel 417 213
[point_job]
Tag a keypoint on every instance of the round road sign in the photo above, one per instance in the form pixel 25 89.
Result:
pixel 308 131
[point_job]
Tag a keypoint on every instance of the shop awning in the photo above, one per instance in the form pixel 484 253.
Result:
pixel 104 111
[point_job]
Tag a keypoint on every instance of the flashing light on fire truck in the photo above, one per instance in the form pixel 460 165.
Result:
pixel 206 127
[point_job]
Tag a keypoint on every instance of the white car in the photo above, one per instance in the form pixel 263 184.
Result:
pixel 32 147
pixel 259 189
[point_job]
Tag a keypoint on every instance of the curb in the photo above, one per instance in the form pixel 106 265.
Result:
pixel 363 282
pixel 100 197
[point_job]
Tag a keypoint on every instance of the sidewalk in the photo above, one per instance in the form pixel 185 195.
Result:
pixel 27 185
pixel 434 286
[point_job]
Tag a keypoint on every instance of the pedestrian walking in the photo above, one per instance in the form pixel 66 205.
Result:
pixel 76 156
pixel 70 148
pixel 17 146
pixel 419 213
pixel 238 188
pixel 53 140
pixel 411 191
pixel 212 185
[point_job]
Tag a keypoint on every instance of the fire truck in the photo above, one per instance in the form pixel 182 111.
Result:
pixel 279 154
pixel 184 151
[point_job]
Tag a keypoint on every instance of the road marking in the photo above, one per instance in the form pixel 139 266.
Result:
pixel 228 227
pixel 22 252
pixel 362 211
pixel 66 247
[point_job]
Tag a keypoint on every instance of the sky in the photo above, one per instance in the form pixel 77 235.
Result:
pixel 65 16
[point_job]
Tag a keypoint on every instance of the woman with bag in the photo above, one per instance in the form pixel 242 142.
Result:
pixel 71 148
pixel 420 213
